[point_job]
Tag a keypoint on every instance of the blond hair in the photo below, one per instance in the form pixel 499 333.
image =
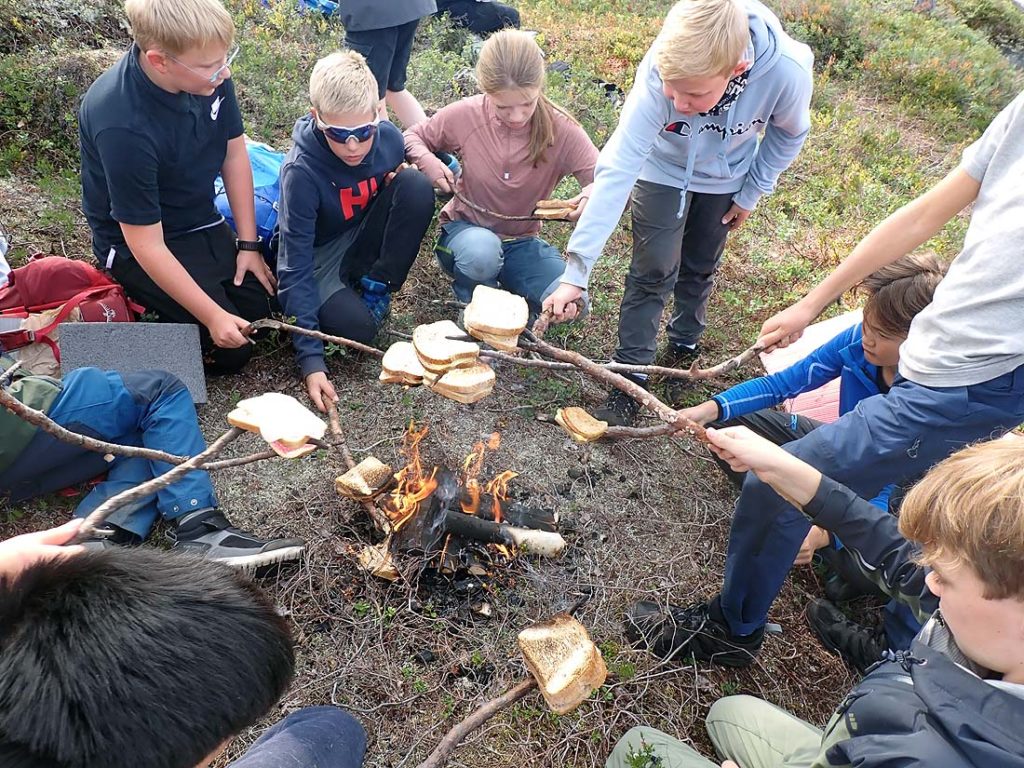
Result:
pixel 898 291
pixel 969 510
pixel 702 38
pixel 178 26
pixel 342 83
pixel 511 60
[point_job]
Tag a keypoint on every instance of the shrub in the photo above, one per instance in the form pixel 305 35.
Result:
pixel 832 29
pixel 78 23
pixel 1000 20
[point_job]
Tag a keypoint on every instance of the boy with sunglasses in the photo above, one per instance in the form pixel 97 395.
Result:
pixel 352 215
pixel 155 131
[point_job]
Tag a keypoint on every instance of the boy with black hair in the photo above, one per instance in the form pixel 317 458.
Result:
pixel 129 658
pixel 155 130
pixel 352 215
pixel 146 408
pixel 956 557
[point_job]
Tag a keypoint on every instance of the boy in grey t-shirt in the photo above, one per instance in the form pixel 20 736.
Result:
pixel 961 380
pixel 383 32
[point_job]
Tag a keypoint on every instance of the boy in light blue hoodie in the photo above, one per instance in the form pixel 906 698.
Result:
pixel 721 75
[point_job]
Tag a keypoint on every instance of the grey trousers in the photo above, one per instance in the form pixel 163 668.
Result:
pixel 678 240
pixel 744 729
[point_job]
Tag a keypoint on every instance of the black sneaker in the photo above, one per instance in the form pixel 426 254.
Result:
pixel 208 534
pixel 678 356
pixel 859 646
pixel 111 537
pixel 839 590
pixel 699 630
pixel 620 410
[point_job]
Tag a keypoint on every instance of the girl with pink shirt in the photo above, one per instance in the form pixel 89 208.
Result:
pixel 515 146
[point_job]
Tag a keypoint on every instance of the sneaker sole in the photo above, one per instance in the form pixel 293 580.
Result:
pixel 261 558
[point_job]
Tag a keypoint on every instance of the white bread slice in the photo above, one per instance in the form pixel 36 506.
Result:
pixel 281 420
pixel 509 344
pixel 466 385
pixel 581 426
pixel 496 312
pixel 564 660
pixel 401 365
pixel 437 352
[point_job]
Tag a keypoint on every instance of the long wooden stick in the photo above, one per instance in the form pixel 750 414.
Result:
pixel 48 425
pixel 476 718
pixel 111 505
pixel 277 325
pixel 339 443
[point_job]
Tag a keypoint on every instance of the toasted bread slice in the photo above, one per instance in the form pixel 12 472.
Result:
pixel 401 365
pixel 581 426
pixel 281 420
pixel 553 214
pixel 365 480
pixel 564 660
pixel 549 204
pixel 438 352
pixel 466 385
pixel 497 312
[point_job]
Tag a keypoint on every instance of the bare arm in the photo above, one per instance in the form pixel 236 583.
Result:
pixel 897 235
pixel 146 242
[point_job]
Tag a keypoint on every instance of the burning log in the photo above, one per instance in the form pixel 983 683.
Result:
pixel 542 543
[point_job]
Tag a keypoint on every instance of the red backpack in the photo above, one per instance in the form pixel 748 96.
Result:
pixel 49 291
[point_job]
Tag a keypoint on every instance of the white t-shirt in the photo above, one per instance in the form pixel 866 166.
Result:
pixel 973 331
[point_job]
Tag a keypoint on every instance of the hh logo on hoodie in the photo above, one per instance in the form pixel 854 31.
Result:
pixel 358 196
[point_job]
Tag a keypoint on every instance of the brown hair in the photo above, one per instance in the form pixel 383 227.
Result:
pixel 898 291
pixel 511 60
pixel 969 510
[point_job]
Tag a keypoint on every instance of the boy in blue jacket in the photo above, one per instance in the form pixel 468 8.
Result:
pixel 351 224
pixel 956 558
pixel 865 359
pixel 719 109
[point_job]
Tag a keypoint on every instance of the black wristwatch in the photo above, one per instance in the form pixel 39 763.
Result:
pixel 249 245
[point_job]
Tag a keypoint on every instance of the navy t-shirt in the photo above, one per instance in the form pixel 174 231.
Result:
pixel 151 156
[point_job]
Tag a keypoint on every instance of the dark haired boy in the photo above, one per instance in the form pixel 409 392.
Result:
pixel 129 658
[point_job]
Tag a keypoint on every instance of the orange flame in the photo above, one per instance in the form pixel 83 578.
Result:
pixel 498 489
pixel 413 486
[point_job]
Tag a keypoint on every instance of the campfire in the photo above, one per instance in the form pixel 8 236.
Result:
pixel 451 522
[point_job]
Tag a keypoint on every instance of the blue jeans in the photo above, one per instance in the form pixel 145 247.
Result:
pixel 472 255
pixel 145 408
pixel 314 737
pixel 888 438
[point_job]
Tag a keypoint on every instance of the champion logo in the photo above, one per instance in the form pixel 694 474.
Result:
pixel 215 107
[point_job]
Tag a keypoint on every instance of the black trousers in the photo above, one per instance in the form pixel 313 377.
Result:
pixel 384 249
pixel 209 257
pixel 480 18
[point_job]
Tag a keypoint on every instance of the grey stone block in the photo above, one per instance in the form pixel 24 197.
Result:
pixel 129 347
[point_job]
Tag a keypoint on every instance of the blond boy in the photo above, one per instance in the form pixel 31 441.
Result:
pixel 721 76
pixel 155 131
pixel 956 557
pixel 351 225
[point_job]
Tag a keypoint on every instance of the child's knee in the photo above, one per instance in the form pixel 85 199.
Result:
pixel 224 360
pixel 414 192
pixel 478 254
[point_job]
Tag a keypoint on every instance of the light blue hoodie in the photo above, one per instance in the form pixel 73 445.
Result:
pixel 652 140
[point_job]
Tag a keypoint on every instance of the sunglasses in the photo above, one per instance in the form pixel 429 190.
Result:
pixel 217 73
pixel 341 134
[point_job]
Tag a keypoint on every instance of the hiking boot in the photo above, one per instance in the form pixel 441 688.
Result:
pixel 839 590
pixel 376 297
pixel 620 410
pixel 110 537
pixel 859 646
pixel 208 534
pixel 698 630
pixel 682 357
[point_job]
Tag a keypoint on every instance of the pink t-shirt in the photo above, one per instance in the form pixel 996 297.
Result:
pixel 496 170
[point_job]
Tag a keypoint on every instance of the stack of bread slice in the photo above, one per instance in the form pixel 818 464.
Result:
pixel 440 348
pixel 554 210
pixel 496 317
pixel 282 421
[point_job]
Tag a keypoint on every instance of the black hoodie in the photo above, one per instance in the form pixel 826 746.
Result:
pixel 321 198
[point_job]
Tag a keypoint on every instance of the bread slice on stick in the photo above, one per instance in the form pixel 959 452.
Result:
pixel 561 656
pixel 581 426
pixel 281 420
pixel 401 364
pixel 438 351
pixel 465 385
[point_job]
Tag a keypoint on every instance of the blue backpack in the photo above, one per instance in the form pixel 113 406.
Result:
pixel 266 181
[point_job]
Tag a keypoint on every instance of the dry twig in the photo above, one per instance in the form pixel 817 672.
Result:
pixel 111 505
pixel 339 443
pixel 277 325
